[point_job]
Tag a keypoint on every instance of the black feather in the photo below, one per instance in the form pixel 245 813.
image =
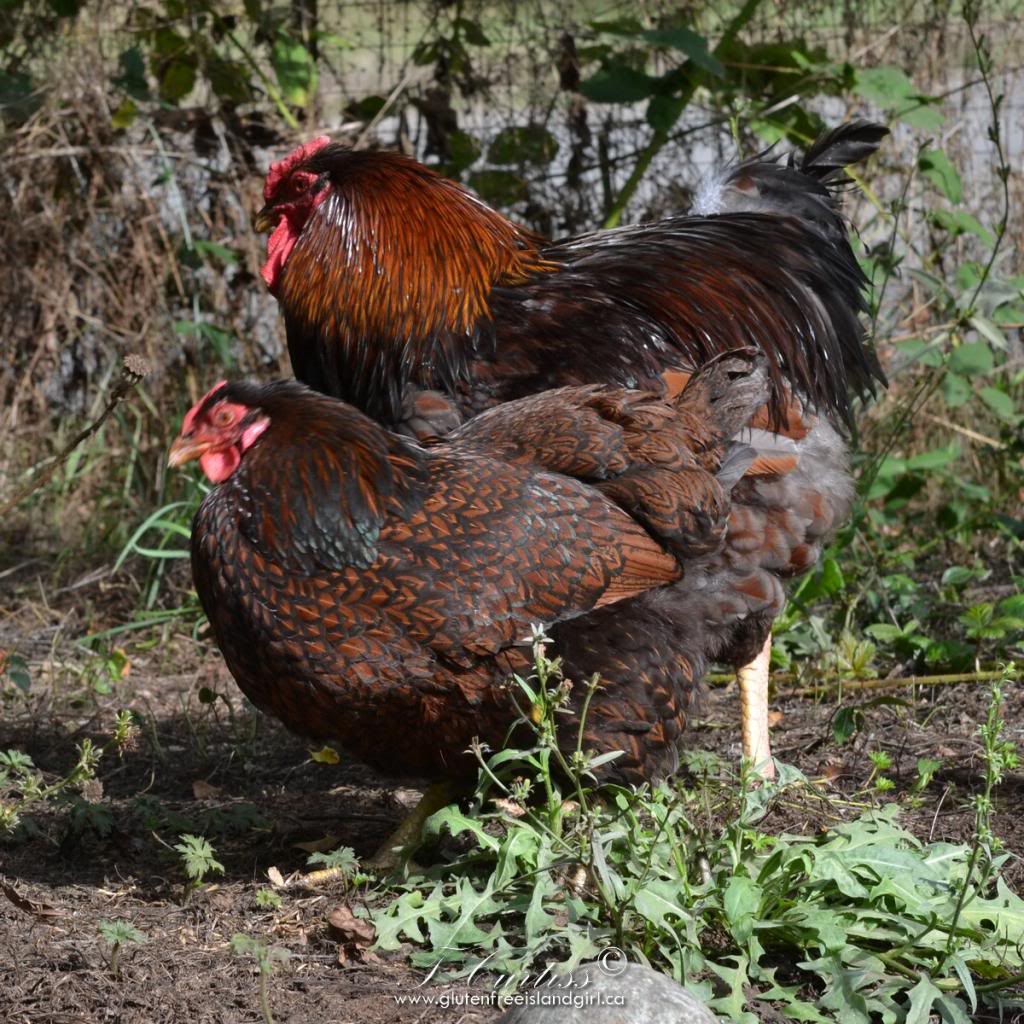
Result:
pixel 772 269
pixel 844 145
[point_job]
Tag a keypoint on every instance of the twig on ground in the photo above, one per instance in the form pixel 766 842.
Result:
pixel 949 679
pixel 725 678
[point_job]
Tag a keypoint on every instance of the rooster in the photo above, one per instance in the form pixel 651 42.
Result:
pixel 408 297
pixel 369 590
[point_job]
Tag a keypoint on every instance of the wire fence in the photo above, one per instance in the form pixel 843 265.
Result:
pixel 515 79
pixel 101 253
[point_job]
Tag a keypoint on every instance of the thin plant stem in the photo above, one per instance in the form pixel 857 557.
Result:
pixel 981 54
pixel 662 135
pixel 133 370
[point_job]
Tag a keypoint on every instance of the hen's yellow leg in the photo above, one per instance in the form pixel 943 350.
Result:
pixel 401 844
pixel 753 680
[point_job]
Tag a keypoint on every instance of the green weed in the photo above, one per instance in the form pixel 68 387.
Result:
pixel 197 859
pixel 14 668
pixel 265 957
pixel 343 861
pixel 267 899
pixel 117 935
pixel 24 788
pixel 860 922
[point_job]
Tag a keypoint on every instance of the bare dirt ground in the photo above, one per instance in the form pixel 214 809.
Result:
pixel 222 771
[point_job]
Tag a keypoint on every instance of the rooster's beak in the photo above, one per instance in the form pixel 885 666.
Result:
pixel 185 449
pixel 266 219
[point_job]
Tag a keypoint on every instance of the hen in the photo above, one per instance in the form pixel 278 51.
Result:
pixel 368 590
pixel 405 295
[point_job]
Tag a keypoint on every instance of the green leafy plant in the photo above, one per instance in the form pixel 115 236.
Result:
pixel 999 755
pixel 989 621
pixel 179 44
pixel 341 861
pixel 171 527
pixel 881 762
pixel 265 957
pixel 197 859
pixel 117 935
pixel 14 668
pixel 100 674
pixel 267 899
pixel 23 786
pixel 926 769
pixel 849 719
pixel 554 867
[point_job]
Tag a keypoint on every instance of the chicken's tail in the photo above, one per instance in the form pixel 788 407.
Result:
pixel 831 355
pixel 807 188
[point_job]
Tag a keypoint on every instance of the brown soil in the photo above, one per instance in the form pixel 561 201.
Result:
pixel 222 771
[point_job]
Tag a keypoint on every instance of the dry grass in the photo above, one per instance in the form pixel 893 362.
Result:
pixel 100 263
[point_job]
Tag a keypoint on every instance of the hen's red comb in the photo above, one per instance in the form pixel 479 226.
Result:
pixel 280 170
pixel 189 421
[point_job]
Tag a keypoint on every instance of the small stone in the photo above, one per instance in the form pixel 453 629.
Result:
pixel 609 991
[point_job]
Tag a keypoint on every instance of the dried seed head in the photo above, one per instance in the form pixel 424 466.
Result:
pixel 134 367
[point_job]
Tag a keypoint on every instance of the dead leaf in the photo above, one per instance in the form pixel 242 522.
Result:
pixel 92 790
pixel 511 807
pixel 29 906
pixel 220 899
pixel 202 790
pixel 319 845
pixel 578 880
pixel 406 796
pixel 359 956
pixel 275 877
pixel 774 718
pixel 354 935
pixel 346 927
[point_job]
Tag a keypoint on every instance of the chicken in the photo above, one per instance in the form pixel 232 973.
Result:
pixel 371 591
pixel 390 275
pixel 405 295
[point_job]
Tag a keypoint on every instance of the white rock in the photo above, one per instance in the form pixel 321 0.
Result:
pixel 610 993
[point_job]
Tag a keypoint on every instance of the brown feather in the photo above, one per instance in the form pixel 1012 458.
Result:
pixel 370 591
pixel 402 277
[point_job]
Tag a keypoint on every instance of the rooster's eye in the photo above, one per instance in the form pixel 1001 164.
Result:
pixel 223 418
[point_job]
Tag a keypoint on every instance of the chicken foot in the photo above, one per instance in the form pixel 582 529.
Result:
pixel 402 843
pixel 753 681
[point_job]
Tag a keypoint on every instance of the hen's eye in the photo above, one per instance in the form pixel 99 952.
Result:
pixel 223 418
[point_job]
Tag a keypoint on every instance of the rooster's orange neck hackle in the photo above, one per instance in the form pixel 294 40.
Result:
pixel 390 264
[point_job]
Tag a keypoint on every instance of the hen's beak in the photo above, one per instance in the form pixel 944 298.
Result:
pixel 266 219
pixel 185 449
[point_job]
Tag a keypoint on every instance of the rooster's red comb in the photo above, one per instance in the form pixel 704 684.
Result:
pixel 280 170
